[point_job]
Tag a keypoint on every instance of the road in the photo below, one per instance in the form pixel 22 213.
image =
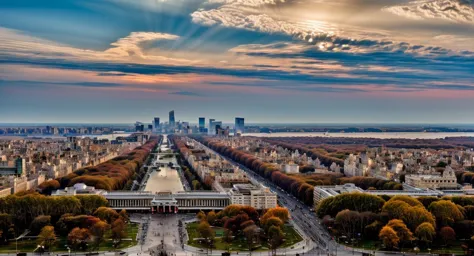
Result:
pixel 301 214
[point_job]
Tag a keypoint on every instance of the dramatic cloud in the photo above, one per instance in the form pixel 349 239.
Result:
pixel 452 10
pixel 13 42
pixel 131 45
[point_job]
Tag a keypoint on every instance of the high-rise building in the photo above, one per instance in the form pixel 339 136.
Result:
pixel 172 121
pixel 211 127
pixel 156 124
pixel 139 127
pixel 216 126
pixel 239 126
pixel 202 124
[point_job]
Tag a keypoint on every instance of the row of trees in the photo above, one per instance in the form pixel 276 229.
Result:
pixel 351 145
pixel 317 152
pixel 114 174
pixel 82 231
pixel 245 221
pixel 465 177
pixel 371 183
pixel 399 221
pixel 294 185
pixel 17 212
pixel 301 186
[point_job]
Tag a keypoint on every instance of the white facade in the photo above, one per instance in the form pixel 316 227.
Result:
pixel 251 195
pixel 291 168
pixel 433 181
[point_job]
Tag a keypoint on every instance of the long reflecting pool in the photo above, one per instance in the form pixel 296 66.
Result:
pixel 166 179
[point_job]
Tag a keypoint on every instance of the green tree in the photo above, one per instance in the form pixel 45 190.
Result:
pixel 425 232
pixel 275 238
pixel 360 202
pixel 446 212
pixel 206 233
pixel 273 221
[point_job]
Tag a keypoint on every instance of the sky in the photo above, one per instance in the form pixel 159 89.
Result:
pixel 270 61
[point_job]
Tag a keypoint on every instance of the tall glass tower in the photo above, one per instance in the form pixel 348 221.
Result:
pixel 239 126
pixel 172 121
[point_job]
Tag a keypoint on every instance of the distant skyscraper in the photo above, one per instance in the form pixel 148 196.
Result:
pixel 156 124
pixel 202 124
pixel 216 126
pixel 139 127
pixel 239 126
pixel 172 122
pixel 211 130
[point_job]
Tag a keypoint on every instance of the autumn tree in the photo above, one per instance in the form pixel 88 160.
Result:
pixel 106 214
pixel 124 215
pixel 98 231
pixel 347 222
pixel 372 230
pixel 6 228
pixel 389 237
pixel 447 234
pixel 279 212
pixel 47 237
pixel 251 235
pixel 201 216
pixel 272 221
pixel 425 232
pixel 403 233
pixel 206 232
pixel 118 231
pixel 78 238
pixel 445 212
pixel 39 222
pixel 211 217
pixel 360 202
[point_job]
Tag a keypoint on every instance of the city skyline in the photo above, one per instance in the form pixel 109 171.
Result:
pixel 272 61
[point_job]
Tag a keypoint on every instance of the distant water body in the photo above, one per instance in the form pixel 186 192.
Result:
pixel 60 137
pixel 376 135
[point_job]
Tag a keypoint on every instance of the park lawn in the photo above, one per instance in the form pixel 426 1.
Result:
pixel 239 243
pixel 29 245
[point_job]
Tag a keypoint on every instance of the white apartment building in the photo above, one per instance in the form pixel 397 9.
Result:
pixel 291 168
pixel 357 165
pixel 434 181
pixel 322 192
pixel 254 196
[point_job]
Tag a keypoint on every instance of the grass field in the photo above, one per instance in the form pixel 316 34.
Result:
pixel 30 244
pixel 239 243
